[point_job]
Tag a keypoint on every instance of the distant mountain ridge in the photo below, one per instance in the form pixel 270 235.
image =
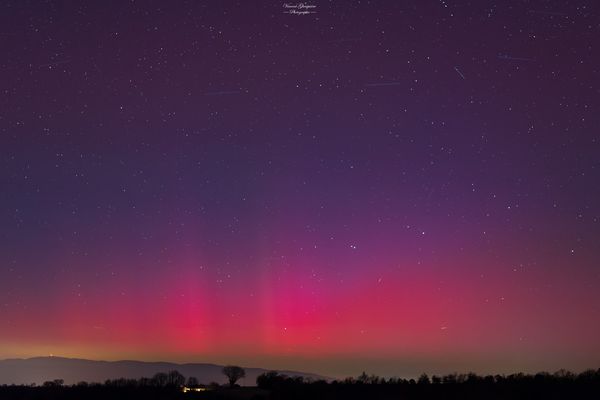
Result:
pixel 72 370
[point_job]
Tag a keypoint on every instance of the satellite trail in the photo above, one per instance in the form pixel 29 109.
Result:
pixel 507 57
pixel 460 73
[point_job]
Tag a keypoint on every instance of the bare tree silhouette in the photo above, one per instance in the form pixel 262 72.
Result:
pixel 423 379
pixel 160 379
pixel 54 383
pixel 175 379
pixel 233 373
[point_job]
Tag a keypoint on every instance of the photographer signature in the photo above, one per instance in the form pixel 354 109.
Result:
pixel 299 8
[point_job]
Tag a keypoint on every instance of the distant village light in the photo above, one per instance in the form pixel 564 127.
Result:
pixel 186 389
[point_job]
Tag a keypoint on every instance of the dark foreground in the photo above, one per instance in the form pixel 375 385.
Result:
pixel 272 386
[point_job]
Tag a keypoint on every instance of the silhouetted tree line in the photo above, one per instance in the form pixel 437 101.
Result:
pixel 161 386
pixel 275 386
pixel 560 385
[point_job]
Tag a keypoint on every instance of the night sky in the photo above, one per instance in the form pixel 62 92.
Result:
pixel 389 186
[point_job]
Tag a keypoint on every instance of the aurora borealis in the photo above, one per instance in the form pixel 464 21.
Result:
pixel 391 187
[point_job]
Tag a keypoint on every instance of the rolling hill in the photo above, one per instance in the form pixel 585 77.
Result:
pixel 40 369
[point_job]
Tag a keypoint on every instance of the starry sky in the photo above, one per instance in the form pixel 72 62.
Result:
pixel 388 186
